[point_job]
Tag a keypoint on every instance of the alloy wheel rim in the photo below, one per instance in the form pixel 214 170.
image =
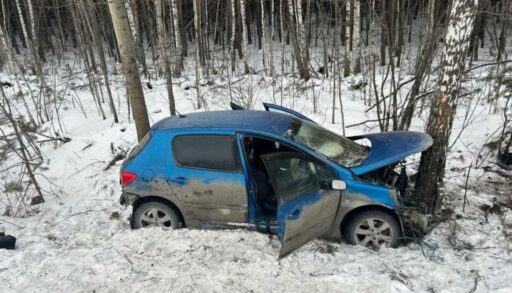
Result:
pixel 155 217
pixel 373 232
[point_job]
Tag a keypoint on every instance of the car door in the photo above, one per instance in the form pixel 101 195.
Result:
pixel 206 175
pixel 281 109
pixel 307 206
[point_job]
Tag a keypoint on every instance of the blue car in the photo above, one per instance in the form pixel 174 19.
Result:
pixel 274 171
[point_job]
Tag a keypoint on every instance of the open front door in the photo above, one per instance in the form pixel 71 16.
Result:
pixel 281 109
pixel 306 208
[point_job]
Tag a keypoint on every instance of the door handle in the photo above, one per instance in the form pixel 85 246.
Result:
pixel 294 215
pixel 180 180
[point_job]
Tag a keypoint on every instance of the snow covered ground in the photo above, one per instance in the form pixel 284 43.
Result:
pixel 80 239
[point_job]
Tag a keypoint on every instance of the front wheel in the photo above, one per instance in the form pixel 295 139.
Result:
pixel 373 229
pixel 155 214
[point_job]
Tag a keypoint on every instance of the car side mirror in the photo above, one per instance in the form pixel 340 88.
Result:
pixel 338 185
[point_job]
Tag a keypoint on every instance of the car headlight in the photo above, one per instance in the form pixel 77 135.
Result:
pixel 394 194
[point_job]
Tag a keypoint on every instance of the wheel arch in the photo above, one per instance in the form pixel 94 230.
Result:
pixel 144 199
pixel 346 219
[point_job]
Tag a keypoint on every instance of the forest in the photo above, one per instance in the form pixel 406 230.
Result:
pixel 82 81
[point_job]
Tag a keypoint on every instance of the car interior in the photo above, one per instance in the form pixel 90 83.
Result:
pixel 254 148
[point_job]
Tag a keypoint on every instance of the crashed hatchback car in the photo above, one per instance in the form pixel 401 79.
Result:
pixel 274 171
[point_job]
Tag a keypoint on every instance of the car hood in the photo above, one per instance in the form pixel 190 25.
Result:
pixel 391 147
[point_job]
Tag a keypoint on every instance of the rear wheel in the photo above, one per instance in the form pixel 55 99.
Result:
pixel 156 214
pixel 373 229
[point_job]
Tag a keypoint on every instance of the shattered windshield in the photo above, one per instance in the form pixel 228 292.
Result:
pixel 339 149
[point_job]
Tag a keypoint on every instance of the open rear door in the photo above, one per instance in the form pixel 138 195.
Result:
pixel 305 210
pixel 281 109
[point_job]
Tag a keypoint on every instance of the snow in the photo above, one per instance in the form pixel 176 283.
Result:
pixel 80 239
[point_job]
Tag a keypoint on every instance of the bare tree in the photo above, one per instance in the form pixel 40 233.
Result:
pixel 129 61
pixel 444 104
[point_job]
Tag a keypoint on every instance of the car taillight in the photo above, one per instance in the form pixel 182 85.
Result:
pixel 127 177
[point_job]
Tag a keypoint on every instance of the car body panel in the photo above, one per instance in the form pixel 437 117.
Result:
pixel 281 109
pixel 305 210
pixel 306 218
pixel 208 195
pixel 358 195
pixel 391 147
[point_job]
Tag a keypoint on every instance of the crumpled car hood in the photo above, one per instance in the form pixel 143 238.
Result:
pixel 391 147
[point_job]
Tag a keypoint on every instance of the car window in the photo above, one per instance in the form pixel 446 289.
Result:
pixel 292 177
pixel 212 152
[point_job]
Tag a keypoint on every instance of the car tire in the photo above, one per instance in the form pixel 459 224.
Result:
pixel 156 214
pixel 373 229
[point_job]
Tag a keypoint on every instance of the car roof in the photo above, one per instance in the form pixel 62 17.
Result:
pixel 272 122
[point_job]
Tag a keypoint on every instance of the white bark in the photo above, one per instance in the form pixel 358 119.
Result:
pixel 233 34
pixel 356 35
pixel 177 38
pixel 272 18
pixel 32 22
pixel 160 24
pixel 244 35
pixel 131 20
pixel 26 36
pixel 262 2
pixel 456 41
pixel 300 26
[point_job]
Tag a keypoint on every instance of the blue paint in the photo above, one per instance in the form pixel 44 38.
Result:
pixel 380 195
pixel 292 210
pixel 272 122
pixel 391 147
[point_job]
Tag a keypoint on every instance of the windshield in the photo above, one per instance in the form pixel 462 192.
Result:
pixel 339 149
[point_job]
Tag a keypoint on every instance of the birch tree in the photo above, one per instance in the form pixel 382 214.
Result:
pixel 296 31
pixel 177 39
pixel 444 103
pixel 244 35
pixel 164 58
pixel 356 35
pixel 233 35
pixel 128 55
pixel 28 41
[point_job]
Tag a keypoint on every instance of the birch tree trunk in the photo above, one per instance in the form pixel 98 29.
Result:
pixel 161 36
pixel 133 20
pixel 356 34
pixel 233 35
pixel 444 103
pixel 96 36
pixel 244 35
pixel 177 39
pixel 28 41
pixel 295 32
pixel 272 18
pixel 128 55
pixel 164 59
pixel 262 5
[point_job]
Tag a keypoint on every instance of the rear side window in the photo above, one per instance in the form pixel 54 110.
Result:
pixel 212 152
